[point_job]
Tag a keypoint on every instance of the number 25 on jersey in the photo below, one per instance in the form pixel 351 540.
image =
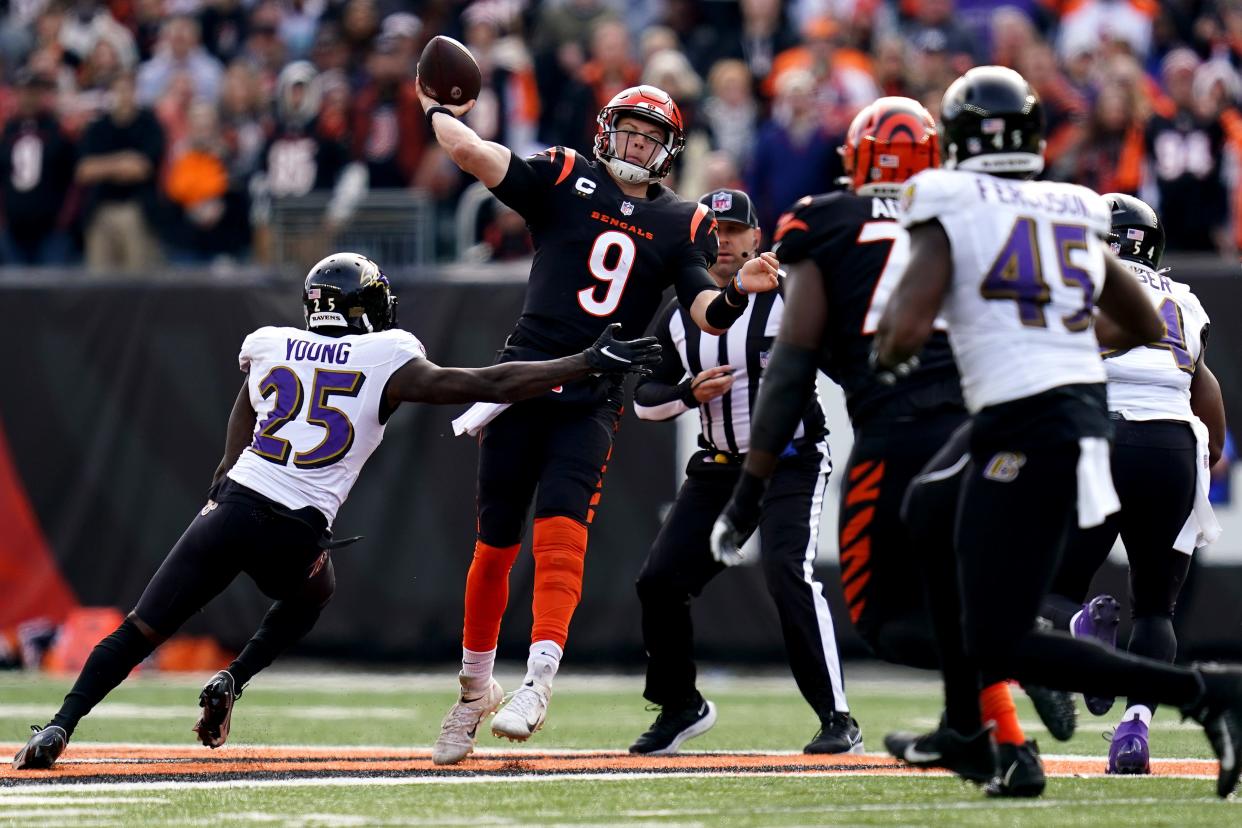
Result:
pixel 338 433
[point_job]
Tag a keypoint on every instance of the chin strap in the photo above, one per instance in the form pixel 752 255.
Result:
pixel 630 173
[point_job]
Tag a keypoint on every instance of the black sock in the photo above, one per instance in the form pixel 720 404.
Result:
pixel 1061 662
pixel 1153 637
pixel 283 626
pixel 106 667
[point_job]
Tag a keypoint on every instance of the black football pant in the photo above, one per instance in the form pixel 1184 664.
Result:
pixel 680 564
pixel 1154 472
pixel 555 452
pixel 1012 521
pixel 241 531
pixel 884 567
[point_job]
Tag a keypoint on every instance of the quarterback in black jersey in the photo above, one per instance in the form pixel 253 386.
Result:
pixel 609 239
pixel 845 252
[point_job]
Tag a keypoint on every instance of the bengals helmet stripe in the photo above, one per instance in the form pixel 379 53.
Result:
pixel 888 141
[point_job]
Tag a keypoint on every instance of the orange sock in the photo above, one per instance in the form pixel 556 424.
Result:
pixel 487 594
pixel 560 549
pixel 996 705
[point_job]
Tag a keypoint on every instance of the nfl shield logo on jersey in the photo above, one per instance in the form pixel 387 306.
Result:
pixel 722 202
pixel 627 208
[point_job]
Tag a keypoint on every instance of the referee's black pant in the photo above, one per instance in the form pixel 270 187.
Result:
pixel 680 564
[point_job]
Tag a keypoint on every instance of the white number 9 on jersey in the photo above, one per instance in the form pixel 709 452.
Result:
pixel 615 276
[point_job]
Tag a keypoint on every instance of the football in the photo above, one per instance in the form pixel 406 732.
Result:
pixel 448 73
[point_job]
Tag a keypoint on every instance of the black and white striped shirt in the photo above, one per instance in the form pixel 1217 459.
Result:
pixel 725 421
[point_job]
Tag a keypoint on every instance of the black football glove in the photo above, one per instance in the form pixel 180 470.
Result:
pixel 739 520
pixel 892 374
pixel 610 355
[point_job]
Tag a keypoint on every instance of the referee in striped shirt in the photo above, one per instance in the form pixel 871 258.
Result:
pixel 719 376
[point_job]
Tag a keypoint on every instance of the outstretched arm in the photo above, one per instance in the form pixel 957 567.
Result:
pixel 240 431
pixel 715 310
pixel 485 160
pixel 421 380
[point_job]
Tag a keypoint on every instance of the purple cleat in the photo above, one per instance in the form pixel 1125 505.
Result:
pixel 1099 620
pixel 1128 752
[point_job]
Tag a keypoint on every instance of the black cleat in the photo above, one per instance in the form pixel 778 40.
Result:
pixel 673 726
pixel 1219 710
pixel 43 749
pixel 1021 773
pixel 1056 709
pixel 217 702
pixel 972 758
pixel 839 733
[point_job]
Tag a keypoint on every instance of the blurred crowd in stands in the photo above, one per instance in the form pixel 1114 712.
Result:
pixel 142 132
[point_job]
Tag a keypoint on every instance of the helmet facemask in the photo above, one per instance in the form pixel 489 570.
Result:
pixel 616 149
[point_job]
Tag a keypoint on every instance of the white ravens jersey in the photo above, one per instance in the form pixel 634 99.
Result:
pixel 317 400
pixel 1153 382
pixel 1028 264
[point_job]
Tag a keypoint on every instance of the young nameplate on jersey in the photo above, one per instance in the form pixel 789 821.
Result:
pixel 312 409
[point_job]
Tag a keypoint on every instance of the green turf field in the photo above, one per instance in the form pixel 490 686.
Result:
pixel 332 707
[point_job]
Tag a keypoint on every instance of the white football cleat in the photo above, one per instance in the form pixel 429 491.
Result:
pixel 524 713
pixel 460 727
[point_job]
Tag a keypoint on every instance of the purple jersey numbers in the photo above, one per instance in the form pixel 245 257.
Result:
pixel 338 430
pixel 1017 274
pixel 1071 237
pixel 285 384
pixel 1173 341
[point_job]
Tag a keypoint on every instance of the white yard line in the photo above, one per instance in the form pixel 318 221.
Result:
pixel 400 781
pixel 127 710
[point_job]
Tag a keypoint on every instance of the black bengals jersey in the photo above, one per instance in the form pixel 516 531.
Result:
pixel 600 256
pixel 861 252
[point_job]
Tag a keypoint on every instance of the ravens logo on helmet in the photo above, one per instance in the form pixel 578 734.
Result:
pixel 348 293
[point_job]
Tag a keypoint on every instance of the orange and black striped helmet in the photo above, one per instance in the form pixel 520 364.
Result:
pixel 889 141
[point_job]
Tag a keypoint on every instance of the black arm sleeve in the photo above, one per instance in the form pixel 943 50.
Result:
pixel 726 308
pixel 669 381
pixel 788 383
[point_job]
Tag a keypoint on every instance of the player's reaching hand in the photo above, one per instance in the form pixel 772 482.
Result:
pixel 760 275
pixel 610 355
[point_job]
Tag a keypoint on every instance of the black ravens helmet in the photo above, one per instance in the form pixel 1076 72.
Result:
pixel 992 121
pixel 349 291
pixel 1137 232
